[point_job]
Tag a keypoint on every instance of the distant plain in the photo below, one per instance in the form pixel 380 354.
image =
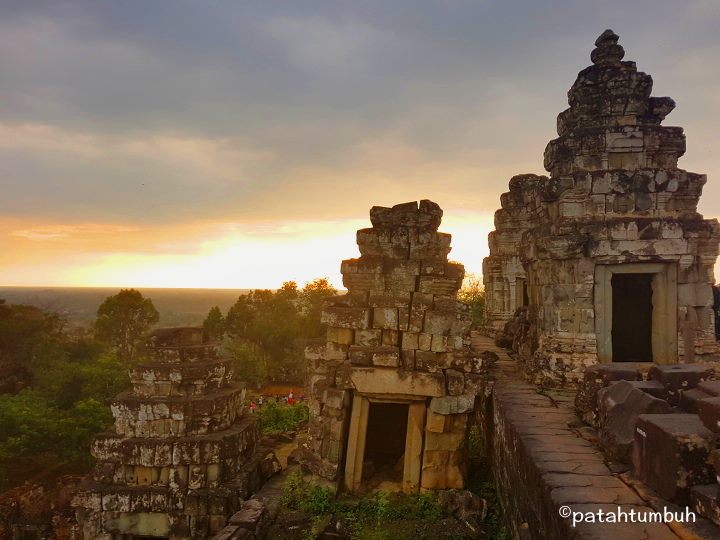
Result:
pixel 78 305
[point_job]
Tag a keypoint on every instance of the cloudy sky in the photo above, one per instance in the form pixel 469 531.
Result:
pixel 229 143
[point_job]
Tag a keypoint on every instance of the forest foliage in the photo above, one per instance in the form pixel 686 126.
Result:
pixel 56 382
pixel 57 385
pixel 265 331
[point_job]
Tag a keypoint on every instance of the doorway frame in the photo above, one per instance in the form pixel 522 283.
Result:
pixel 414 438
pixel 664 308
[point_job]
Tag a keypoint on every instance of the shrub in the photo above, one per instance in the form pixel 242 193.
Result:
pixel 277 418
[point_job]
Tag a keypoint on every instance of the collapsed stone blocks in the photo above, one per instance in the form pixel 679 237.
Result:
pixel 398 336
pixel 677 379
pixel 620 404
pixel 615 212
pixel 182 454
pixel 671 454
pixel 708 410
pixel 594 379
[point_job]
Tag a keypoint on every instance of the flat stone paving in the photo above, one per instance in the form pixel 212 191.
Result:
pixel 566 469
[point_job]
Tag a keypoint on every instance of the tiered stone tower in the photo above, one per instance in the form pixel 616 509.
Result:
pixel 616 214
pixel 397 337
pixel 175 464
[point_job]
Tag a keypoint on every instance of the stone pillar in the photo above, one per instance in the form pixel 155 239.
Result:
pixel 173 464
pixel 399 335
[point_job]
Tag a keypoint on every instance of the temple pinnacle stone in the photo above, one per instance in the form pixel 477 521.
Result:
pixel 608 36
pixel 607 50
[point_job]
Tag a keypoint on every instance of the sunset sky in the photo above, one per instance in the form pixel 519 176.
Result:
pixel 240 144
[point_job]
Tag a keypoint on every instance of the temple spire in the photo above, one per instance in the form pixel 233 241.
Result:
pixel 607 50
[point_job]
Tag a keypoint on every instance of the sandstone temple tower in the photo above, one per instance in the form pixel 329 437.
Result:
pixel 174 465
pixel 391 389
pixel 608 259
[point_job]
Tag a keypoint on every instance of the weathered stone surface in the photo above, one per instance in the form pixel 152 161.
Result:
pixel 709 412
pixel 594 379
pixel 615 202
pixel 452 404
pixel 680 376
pixel 706 502
pixel 689 400
pixel 711 388
pixel 619 406
pixel 455 382
pixel 654 388
pixel 392 381
pixel 540 464
pixel 671 454
pixel 399 334
pixel 346 317
pixel 181 436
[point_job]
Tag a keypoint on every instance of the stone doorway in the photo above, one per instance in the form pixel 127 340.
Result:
pixel 660 300
pixel 632 312
pixel 385 435
pixel 385 442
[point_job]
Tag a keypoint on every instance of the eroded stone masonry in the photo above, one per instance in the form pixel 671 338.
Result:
pixel 181 455
pixel 607 259
pixel 391 389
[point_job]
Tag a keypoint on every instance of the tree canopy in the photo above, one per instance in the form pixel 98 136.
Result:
pixel 473 294
pixel 123 321
pixel 63 382
pixel 266 330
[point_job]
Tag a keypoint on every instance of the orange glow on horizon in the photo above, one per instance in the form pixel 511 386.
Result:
pixel 216 255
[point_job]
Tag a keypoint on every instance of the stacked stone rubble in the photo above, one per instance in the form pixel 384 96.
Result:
pixel 614 196
pixel 398 331
pixel 175 464
pixel 663 421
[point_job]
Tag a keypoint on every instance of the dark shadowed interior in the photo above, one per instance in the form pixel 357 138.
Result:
pixel 385 441
pixel 632 318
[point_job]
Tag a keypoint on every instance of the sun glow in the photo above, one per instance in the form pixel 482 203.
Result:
pixel 217 255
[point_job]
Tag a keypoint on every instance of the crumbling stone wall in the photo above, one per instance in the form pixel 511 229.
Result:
pixel 41 509
pixel 614 196
pixel 398 333
pixel 176 463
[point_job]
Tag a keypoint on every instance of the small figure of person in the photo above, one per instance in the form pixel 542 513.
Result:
pixel 253 406
pixel 291 398
pixel 261 400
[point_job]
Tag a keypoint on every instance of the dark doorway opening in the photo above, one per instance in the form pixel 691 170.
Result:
pixel 385 442
pixel 632 317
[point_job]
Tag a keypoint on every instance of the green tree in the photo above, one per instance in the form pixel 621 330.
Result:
pixel 249 366
pixel 123 321
pixel 240 316
pixel 268 329
pixel 267 325
pixel 26 333
pixel 473 294
pixel 68 383
pixel 214 323
pixel 312 296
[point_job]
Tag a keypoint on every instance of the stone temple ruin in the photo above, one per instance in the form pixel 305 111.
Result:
pixel 392 388
pixel 607 260
pixel 599 288
pixel 182 455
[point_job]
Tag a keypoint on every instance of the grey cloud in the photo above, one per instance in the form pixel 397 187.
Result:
pixel 309 85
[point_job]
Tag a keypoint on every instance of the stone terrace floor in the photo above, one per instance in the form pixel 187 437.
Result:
pixel 570 470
